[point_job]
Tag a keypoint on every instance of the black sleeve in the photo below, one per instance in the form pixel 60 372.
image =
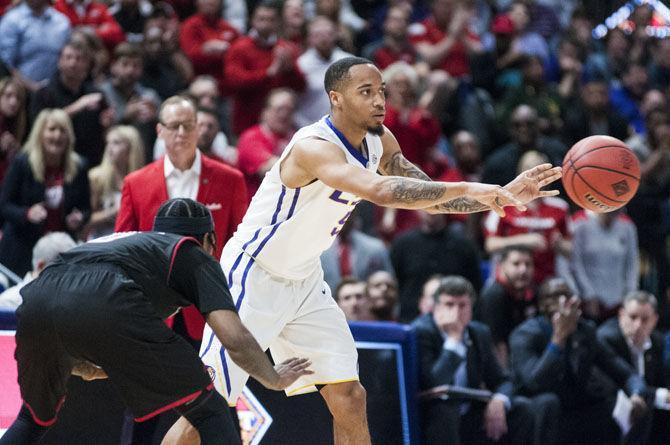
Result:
pixel 199 278
pixel 493 313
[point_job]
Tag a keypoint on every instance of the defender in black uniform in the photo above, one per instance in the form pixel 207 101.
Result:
pixel 98 311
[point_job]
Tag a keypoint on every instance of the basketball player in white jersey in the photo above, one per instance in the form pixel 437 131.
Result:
pixel 272 261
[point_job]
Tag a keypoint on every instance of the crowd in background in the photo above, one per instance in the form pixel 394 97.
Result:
pixel 92 140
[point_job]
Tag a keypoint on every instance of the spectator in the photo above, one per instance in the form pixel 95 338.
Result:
pixel 294 23
pixel 46 190
pixel 626 96
pixel 72 90
pixel 132 102
pixel 526 41
pixel 205 90
pixel 445 41
pixel 257 63
pixel 45 251
pixel 454 350
pixel 610 64
pixel 131 15
pixel 211 140
pixel 260 146
pixel 395 45
pixel 593 114
pixel 32 35
pixel 427 250
pixel 123 155
pixel 164 69
pixel 542 227
pixel 382 292
pixel 634 338
pixel 427 299
pixel 313 102
pixel 354 254
pixel 13 122
pixel 604 261
pixel 93 16
pixel 184 173
pixel 659 69
pixel 509 299
pixel 557 358
pixel 501 166
pixel 341 13
pixel 351 297
pixel 205 39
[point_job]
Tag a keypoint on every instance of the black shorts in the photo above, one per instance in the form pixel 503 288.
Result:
pixel 96 313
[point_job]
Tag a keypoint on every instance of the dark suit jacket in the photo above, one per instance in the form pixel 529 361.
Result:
pixel 438 365
pixel 19 192
pixel 222 189
pixel 609 333
pixel 574 374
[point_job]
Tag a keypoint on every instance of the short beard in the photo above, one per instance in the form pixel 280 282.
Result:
pixel 377 131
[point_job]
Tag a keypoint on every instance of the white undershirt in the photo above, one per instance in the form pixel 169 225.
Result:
pixel 182 184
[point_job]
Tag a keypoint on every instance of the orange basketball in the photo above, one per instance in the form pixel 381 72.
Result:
pixel 601 173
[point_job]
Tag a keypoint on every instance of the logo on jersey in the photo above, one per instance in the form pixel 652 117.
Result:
pixel 211 372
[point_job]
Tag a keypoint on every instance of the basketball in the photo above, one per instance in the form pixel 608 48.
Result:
pixel 600 173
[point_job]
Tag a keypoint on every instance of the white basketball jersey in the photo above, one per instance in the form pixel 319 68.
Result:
pixel 285 230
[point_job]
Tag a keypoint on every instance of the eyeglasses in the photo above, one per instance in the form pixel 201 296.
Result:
pixel 174 126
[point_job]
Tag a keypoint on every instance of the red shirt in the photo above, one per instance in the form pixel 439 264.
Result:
pixel 549 218
pixel 245 68
pixel 455 62
pixel 385 56
pixel 195 32
pixel 53 199
pixel 97 16
pixel 256 145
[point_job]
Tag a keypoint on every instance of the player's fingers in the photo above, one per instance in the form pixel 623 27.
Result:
pixel 498 209
pixel 549 178
pixel 544 193
pixel 538 170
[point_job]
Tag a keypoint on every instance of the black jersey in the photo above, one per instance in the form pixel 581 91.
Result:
pixel 172 271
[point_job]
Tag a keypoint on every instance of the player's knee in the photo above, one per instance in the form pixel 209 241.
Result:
pixel 347 400
pixel 181 433
pixel 210 416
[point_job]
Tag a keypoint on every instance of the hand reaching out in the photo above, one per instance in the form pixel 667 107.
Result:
pixel 529 184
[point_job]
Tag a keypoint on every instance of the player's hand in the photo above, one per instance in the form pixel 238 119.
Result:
pixel 529 184
pixel 88 371
pixel 291 370
pixel 495 420
pixel 494 196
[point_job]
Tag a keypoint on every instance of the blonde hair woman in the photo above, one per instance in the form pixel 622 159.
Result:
pixel 124 153
pixel 46 190
pixel 12 120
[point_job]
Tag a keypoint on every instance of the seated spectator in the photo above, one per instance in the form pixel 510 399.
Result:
pixel 163 71
pixel 314 62
pixel 626 96
pixel 133 103
pixel 427 300
pixel 541 228
pixel 257 63
pixel 260 146
pixel 45 251
pixel 93 16
pixel 444 40
pixel 604 261
pixel 526 41
pixel 46 190
pixel 557 359
pixel 123 154
pixel 382 294
pixel 354 254
pixel 395 45
pixel 351 297
pixel 593 114
pixel 294 23
pixel 32 35
pixel 211 140
pixel 508 300
pixel 72 90
pixel 427 250
pixel 659 69
pixel 609 64
pixel 456 351
pixel 131 15
pixel 634 338
pixel 13 121
pixel 501 166
pixel 348 23
pixel 205 38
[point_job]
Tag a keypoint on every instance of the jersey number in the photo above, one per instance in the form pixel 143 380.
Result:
pixel 337 197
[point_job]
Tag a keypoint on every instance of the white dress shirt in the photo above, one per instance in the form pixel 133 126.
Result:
pixel 661 397
pixel 183 184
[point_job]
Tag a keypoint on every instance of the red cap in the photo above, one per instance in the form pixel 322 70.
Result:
pixel 502 24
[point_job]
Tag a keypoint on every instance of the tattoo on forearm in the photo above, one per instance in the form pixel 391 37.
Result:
pixel 408 191
pixel 398 165
pixel 462 205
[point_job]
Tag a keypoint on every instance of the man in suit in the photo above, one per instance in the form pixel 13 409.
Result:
pixel 633 338
pixel 454 350
pixel 183 173
pixel 557 359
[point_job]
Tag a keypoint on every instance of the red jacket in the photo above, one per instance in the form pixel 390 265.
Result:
pixel 97 16
pixel 245 68
pixel 221 188
pixel 195 32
